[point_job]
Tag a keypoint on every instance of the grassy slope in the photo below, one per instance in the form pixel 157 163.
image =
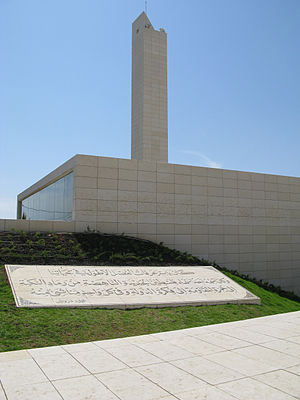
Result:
pixel 26 328
pixel 87 249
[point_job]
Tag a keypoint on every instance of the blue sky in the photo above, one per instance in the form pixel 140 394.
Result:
pixel 65 79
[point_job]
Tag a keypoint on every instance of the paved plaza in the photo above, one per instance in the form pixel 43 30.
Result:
pixel 253 359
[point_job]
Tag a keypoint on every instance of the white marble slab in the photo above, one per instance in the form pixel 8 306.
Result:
pixel 123 287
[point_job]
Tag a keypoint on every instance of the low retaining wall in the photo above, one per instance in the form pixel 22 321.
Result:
pixel 7 225
pixel 281 274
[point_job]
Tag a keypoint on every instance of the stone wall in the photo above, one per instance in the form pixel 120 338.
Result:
pixel 244 221
pixel 7 225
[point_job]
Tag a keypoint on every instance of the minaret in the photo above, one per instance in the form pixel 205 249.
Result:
pixel 149 97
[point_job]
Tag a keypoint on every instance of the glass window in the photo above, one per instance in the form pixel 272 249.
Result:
pixel 54 202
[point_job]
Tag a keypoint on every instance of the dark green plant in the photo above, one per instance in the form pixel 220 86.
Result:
pixel 41 242
pixel 4 250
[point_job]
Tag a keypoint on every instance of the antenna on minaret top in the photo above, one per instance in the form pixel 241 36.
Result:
pixel 146 3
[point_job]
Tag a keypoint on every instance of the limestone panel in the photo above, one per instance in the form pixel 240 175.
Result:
pixel 107 227
pixel 144 165
pixel 127 228
pixel 86 216
pixel 146 186
pixel 147 228
pixel 107 194
pixel 81 226
pixel 127 164
pixel 87 205
pixel 107 172
pixel 86 182
pixel 147 207
pixel 148 197
pixel 165 168
pixel 86 193
pixel 128 174
pixel 146 176
pixel 40 226
pixel 87 171
pixel 183 189
pixel 165 177
pixel 127 217
pixel 63 226
pixel 146 218
pixel 91 161
pixel 127 185
pixel 107 205
pixel 127 206
pixel 124 195
pixel 107 162
pixel 165 187
pixel 106 183
pixel 107 216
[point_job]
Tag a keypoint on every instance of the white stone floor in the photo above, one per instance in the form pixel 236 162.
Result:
pixel 255 359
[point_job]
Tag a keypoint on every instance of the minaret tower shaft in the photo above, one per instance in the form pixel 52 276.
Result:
pixel 149 107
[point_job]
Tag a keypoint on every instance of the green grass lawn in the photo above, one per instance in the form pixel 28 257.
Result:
pixel 22 328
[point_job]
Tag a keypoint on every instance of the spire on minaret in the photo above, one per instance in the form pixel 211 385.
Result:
pixel 142 21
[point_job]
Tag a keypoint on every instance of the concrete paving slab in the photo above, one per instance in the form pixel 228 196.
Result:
pixel 207 370
pixel 242 364
pixel 242 334
pixel 248 388
pixel 130 385
pixel 2 395
pixel 207 392
pixel 40 391
pixel 133 356
pixel 283 380
pixel 294 370
pixel 166 351
pixel 224 341
pixel 46 351
pixel 281 332
pixel 268 356
pixel 196 345
pixel 20 372
pixel 82 388
pixel 60 366
pixel 79 347
pixel 14 355
pixel 290 348
pixel 98 361
pixel 173 379
pixel 295 339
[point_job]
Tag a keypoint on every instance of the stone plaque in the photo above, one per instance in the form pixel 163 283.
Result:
pixel 122 287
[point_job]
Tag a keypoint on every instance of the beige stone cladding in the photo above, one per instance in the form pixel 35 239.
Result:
pixel 26 225
pixel 242 220
pixel 149 110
